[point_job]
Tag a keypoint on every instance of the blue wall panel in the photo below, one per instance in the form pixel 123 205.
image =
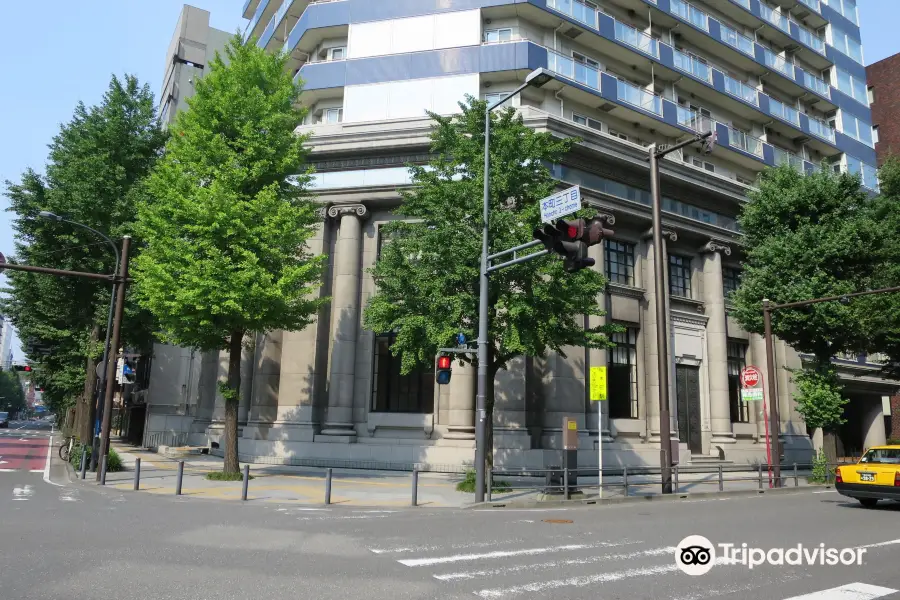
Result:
pixel 855 148
pixel 840 21
pixel 845 62
pixel 608 87
pixel 768 154
pixel 324 75
pixel 670 112
pixel 850 105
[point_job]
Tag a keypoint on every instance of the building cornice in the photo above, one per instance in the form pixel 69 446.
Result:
pixel 620 289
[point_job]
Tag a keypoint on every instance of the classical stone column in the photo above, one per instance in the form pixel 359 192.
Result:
pixel 461 404
pixel 652 349
pixel 345 319
pixel 717 342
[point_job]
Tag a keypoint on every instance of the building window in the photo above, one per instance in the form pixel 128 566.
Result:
pixel 617 134
pixel 496 97
pixel 619 261
pixel 679 276
pixel 731 279
pixel 339 53
pixel 737 360
pixel 393 392
pixel 856 128
pixel 587 121
pixel 874 134
pixel 744 180
pixel 870 94
pixel 623 397
pixel 333 115
pixel 495 36
pixel 702 164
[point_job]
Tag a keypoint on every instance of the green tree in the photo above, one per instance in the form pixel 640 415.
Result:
pixel 227 228
pixel 95 164
pixel 819 398
pixel 427 275
pixel 12 396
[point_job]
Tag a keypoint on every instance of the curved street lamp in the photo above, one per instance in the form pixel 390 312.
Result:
pixel 50 216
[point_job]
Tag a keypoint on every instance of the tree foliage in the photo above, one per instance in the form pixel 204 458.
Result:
pixel 819 397
pixel 12 394
pixel 229 220
pixel 809 236
pixel 427 275
pixel 93 174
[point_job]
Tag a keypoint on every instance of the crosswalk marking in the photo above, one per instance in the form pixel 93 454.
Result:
pixel 852 591
pixel 421 562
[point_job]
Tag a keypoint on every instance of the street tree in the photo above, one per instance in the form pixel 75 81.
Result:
pixel 820 398
pixel 427 275
pixel 94 167
pixel 227 228
pixel 12 395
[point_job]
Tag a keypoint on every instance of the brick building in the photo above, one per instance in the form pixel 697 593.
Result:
pixel 883 79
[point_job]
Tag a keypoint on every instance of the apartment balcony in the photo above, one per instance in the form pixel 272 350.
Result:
pixel 319 21
pixel 265 9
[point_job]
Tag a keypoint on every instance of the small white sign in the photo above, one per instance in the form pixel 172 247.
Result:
pixel 752 395
pixel 561 204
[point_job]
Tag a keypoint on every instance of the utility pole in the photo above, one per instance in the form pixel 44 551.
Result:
pixel 662 339
pixel 114 346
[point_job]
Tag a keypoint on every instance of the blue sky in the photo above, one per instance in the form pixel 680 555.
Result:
pixel 57 52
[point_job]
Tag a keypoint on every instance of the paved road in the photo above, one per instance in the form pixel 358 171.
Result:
pixel 25 446
pixel 77 542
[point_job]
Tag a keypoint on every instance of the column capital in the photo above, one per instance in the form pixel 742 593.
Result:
pixel 339 210
pixel 716 245
pixel 666 233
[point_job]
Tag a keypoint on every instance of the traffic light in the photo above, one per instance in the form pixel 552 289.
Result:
pixel 26 368
pixel 443 371
pixel 571 239
pixel 128 372
pixel 709 144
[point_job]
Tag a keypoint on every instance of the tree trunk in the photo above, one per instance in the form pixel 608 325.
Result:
pixel 829 445
pixel 232 400
pixel 89 398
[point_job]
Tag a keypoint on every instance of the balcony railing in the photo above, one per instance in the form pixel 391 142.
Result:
pixel 741 90
pixel 736 40
pixel 697 122
pixel 575 9
pixel 576 71
pixel 813 4
pixel 870 177
pixel 744 3
pixel 811 39
pixel 778 63
pixel 692 65
pixel 775 18
pixel 783 157
pixel 783 111
pixel 639 97
pixel 815 84
pixel 821 129
pixel 637 39
pixel 743 141
pixel 689 13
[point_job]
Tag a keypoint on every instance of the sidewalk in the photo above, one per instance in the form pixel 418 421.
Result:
pixel 370 488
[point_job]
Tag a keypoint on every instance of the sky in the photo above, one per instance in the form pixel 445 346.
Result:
pixel 57 52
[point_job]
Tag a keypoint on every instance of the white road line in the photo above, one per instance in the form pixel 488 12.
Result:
pixel 21 426
pixel 555 564
pixel 879 544
pixel 47 464
pixel 440 560
pixel 851 591
pixel 36 471
pixel 7 470
pixel 826 492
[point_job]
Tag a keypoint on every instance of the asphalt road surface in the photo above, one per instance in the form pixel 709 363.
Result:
pixel 77 541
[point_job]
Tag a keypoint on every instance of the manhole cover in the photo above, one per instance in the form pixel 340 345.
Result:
pixel 558 521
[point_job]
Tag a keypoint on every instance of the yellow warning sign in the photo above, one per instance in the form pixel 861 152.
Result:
pixel 598 383
pixel 573 425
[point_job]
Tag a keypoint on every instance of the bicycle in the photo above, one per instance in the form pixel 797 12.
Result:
pixel 66 447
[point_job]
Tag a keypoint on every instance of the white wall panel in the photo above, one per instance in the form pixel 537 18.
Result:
pixel 366 102
pixel 410 98
pixel 404 99
pixel 415 34
pixel 450 91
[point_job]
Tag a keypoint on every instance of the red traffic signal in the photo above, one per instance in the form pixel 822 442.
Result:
pixel 571 239
pixel 444 369
pixel 22 368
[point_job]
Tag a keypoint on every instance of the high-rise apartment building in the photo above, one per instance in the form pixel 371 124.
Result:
pixel 884 93
pixel 778 83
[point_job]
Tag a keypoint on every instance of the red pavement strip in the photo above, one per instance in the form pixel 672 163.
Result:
pixel 19 454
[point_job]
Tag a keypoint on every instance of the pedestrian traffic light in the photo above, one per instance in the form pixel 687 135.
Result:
pixel 571 239
pixel 443 371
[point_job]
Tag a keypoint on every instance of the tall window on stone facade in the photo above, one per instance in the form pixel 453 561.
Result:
pixel 393 392
pixel 737 360
pixel 679 276
pixel 619 261
pixel 731 279
pixel 623 397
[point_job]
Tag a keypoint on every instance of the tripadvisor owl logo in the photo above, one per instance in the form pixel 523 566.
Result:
pixel 695 555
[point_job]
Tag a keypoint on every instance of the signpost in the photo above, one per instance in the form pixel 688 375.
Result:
pixel 560 204
pixel 752 391
pixel 598 394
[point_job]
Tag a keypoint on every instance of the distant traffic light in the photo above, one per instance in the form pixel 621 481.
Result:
pixel 443 371
pixel 571 239
pixel 26 368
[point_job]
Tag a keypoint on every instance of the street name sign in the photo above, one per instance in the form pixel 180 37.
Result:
pixel 560 204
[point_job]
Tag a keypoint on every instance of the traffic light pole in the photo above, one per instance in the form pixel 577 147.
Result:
pixel 662 338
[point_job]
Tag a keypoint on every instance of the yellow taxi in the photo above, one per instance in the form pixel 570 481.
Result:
pixel 875 477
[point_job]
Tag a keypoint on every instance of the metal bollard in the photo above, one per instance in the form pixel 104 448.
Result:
pixel 328 486
pixel 721 480
pixel 103 470
pixel 675 469
pixel 83 461
pixel 625 479
pixel 179 478
pixel 760 477
pixel 796 478
pixel 415 487
pixel 490 484
pixel 137 474
pixel 566 483
pixel 246 482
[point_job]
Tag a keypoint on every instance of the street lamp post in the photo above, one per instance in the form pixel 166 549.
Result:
pixel 536 78
pixel 95 408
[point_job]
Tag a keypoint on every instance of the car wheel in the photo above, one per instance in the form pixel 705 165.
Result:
pixel 868 502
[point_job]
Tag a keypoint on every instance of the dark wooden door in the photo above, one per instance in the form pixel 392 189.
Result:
pixel 687 392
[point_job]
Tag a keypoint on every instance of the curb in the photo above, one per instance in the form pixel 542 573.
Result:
pixel 641 499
